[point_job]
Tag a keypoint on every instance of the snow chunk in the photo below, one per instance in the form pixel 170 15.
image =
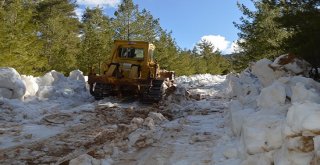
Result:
pixel 54 85
pixel 262 132
pixel 290 64
pixel 199 80
pixel 6 93
pixel 85 159
pixel 11 80
pixel 265 73
pixel 137 120
pixel 300 94
pixel 158 118
pixel 289 157
pixel 238 115
pixel 49 78
pixel 261 159
pixel 231 153
pixel 244 87
pixel 149 122
pixel 31 84
pixel 272 96
pixel 141 138
pixel 303 118
pixel 77 75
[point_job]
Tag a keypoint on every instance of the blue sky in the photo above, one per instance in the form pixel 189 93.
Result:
pixel 189 20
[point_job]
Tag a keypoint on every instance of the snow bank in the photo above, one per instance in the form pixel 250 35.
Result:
pixel 11 84
pixel 52 85
pixel 55 85
pixel 200 86
pixel 285 65
pixel 275 112
pixel 199 80
pixel 26 99
pixel 244 87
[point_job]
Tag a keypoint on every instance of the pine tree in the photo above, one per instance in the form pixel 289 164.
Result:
pixel 205 48
pixel 96 40
pixel 166 51
pixel 184 63
pixel 210 60
pixel 302 20
pixel 125 22
pixel 260 32
pixel 58 30
pixel 131 24
pixel 18 38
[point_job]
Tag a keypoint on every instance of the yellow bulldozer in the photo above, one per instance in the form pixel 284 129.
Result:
pixel 133 71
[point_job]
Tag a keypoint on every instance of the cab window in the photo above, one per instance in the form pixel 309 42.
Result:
pixel 134 53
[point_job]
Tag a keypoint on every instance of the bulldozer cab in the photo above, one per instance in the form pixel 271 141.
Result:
pixel 132 51
pixel 132 59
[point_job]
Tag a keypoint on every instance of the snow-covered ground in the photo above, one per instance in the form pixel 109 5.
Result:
pixel 268 114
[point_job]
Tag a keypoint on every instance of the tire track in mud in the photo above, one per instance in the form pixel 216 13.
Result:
pixel 190 139
pixel 105 126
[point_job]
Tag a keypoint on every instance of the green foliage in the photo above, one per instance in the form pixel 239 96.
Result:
pixel 96 40
pixel 131 24
pixel 239 62
pixel 58 30
pixel 18 41
pixel 260 32
pixel 210 60
pixel 277 27
pixel 37 36
pixel 184 63
pixel 166 51
pixel 302 19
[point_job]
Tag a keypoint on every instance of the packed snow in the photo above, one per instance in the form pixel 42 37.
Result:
pixel 268 114
pixel 32 99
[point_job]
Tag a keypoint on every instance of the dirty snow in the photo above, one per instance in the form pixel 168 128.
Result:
pixel 23 121
pixel 268 114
